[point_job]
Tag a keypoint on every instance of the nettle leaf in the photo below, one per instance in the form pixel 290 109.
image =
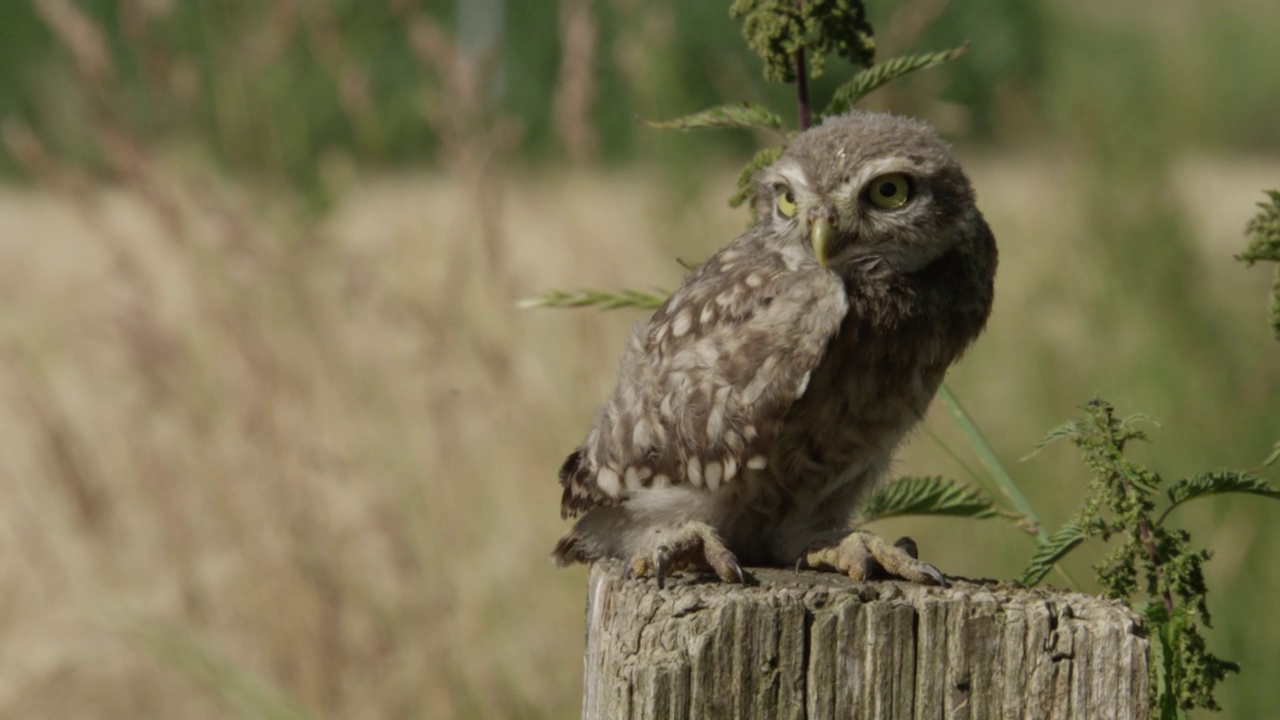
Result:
pixel 1215 483
pixel 1162 631
pixel 1070 428
pixel 1264 231
pixel 1051 551
pixel 734 115
pixel 1264 228
pixel 927 496
pixel 747 178
pixel 862 84
pixel 604 299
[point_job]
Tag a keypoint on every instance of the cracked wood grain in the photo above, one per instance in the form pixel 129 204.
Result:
pixel 810 646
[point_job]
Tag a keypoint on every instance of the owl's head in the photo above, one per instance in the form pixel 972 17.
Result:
pixel 868 191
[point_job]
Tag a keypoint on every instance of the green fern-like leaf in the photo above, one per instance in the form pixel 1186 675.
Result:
pixel 1068 429
pixel 862 84
pixel 1265 246
pixel 734 115
pixel 603 299
pixel 747 178
pixel 1051 551
pixel 1216 483
pixel 927 496
pixel 1078 428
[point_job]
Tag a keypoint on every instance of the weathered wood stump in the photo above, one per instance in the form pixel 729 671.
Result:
pixel 809 645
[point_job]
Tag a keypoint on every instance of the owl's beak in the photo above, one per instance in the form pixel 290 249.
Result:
pixel 820 237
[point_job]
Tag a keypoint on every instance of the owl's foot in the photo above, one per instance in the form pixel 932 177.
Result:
pixel 693 544
pixel 863 555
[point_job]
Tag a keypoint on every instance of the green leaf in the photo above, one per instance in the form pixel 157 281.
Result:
pixel 1051 551
pixel 1070 428
pixel 1217 482
pixel 1162 632
pixel 604 299
pixel 1264 231
pixel 863 83
pixel 927 496
pixel 734 115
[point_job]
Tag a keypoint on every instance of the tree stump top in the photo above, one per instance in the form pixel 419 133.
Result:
pixel 819 645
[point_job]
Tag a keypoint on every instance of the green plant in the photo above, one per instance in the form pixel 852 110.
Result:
pixel 1150 558
pixel 1265 245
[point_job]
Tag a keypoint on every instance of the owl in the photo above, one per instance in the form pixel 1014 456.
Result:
pixel 766 396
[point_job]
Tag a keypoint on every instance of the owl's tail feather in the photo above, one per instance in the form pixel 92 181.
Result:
pixel 567 552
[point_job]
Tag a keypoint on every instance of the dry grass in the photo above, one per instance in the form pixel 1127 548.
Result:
pixel 253 452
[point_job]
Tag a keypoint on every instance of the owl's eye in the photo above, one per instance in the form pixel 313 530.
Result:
pixel 786 202
pixel 889 191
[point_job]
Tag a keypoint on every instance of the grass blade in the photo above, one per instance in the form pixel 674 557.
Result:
pixel 246 694
pixel 1004 481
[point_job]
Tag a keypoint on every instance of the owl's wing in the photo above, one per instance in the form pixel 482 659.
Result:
pixel 704 385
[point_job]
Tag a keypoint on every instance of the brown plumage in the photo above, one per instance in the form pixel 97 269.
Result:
pixel 767 395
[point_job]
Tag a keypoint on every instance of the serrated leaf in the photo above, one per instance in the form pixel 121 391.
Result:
pixel 863 83
pixel 604 299
pixel 927 496
pixel 1217 482
pixel 1051 551
pixel 1264 231
pixel 1067 429
pixel 734 115
pixel 1131 420
pixel 1161 631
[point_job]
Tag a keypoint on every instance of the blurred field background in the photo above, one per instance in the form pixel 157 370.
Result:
pixel 275 441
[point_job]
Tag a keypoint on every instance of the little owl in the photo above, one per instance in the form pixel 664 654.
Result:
pixel 765 398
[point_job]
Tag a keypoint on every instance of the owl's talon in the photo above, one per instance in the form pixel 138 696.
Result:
pixel 661 558
pixel 692 544
pixel 936 574
pixel 734 570
pixel 862 556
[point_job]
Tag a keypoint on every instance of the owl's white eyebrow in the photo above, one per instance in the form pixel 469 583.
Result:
pixel 793 176
pixel 874 169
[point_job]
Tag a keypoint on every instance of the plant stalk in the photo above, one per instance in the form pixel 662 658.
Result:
pixel 1146 536
pixel 803 115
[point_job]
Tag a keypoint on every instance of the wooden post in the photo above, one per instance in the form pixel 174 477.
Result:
pixel 815 646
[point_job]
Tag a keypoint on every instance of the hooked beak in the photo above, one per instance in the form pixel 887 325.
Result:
pixel 820 233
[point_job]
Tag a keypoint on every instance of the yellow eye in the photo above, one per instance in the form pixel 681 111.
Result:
pixel 786 202
pixel 889 191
